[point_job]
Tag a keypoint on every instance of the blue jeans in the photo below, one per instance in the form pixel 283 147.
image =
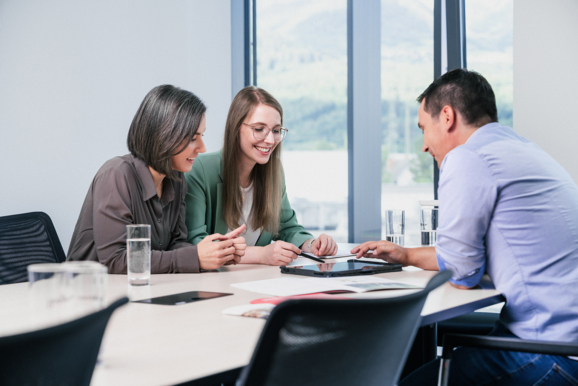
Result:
pixel 473 366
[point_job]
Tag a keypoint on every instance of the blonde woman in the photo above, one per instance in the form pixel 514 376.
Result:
pixel 244 184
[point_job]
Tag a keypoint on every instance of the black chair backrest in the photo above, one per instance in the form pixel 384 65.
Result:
pixel 337 342
pixel 25 239
pixel 60 355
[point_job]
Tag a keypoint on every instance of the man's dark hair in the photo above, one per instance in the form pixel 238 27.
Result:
pixel 465 91
pixel 167 117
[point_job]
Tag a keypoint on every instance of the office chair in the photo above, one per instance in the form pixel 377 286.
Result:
pixel 26 239
pixel 60 355
pixel 474 323
pixel 452 341
pixel 337 342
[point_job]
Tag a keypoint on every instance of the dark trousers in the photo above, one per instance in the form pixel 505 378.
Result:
pixel 473 366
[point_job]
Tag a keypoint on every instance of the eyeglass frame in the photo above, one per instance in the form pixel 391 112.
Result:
pixel 268 132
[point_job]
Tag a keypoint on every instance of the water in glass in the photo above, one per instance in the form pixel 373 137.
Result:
pixel 396 239
pixel 428 237
pixel 139 262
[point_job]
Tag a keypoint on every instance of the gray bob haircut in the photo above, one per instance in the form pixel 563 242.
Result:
pixel 167 117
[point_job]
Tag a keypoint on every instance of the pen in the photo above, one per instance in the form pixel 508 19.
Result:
pixel 311 257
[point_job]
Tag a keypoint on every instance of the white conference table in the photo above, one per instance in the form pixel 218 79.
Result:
pixel 147 344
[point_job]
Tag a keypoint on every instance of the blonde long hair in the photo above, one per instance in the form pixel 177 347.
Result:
pixel 267 179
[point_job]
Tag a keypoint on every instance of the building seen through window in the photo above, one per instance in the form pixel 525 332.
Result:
pixel 406 70
pixel 302 61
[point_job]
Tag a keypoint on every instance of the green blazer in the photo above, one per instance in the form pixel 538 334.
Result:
pixel 204 199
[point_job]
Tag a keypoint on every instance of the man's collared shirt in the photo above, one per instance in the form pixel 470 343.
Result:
pixel 508 208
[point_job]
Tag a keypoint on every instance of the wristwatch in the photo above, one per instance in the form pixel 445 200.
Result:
pixel 311 241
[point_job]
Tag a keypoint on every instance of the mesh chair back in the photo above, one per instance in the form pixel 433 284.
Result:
pixel 337 342
pixel 26 239
pixel 60 355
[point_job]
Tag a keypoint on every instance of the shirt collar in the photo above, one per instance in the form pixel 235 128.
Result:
pixel 483 129
pixel 476 133
pixel 148 185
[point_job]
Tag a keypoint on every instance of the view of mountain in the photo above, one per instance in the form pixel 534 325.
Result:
pixel 302 61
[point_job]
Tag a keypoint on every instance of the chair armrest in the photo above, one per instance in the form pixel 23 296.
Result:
pixel 509 344
pixel 490 342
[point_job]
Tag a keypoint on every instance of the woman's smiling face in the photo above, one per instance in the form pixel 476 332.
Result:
pixel 183 162
pixel 259 151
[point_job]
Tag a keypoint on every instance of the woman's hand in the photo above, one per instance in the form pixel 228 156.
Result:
pixel 279 253
pixel 324 245
pixel 238 243
pixel 240 247
pixel 390 252
pixel 216 250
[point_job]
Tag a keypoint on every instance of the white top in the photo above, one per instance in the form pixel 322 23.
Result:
pixel 251 235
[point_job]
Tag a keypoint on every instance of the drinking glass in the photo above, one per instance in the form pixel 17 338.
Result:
pixel 138 246
pixel 395 226
pixel 49 294
pixel 61 292
pixel 429 226
pixel 87 281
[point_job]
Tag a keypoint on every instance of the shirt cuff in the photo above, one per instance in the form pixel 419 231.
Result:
pixel 469 280
pixel 299 238
pixel 187 259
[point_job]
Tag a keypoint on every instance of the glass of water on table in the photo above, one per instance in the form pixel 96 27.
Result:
pixel 395 226
pixel 429 226
pixel 138 247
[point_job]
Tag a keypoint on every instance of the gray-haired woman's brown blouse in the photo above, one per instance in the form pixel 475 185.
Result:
pixel 123 193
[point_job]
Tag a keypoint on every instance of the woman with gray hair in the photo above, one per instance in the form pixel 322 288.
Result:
pixel 147 186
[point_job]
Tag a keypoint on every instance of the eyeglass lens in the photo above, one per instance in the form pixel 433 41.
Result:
pixel 260 133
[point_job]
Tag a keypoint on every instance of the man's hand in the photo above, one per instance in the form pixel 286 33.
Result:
pixel 422 257
pixel 279 253
pixel 390 252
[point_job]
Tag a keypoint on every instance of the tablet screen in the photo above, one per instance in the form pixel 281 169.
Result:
pixel 341 266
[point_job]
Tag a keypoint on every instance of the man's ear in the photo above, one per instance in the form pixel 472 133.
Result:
pixel 448 118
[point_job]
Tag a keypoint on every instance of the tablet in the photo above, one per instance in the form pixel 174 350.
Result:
pixel 182 298
pixel 351 267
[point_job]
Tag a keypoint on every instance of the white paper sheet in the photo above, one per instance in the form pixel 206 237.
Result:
pixel 284 286
pixel 260 311
pixel 288 286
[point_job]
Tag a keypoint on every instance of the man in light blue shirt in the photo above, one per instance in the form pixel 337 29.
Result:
pixel 506 208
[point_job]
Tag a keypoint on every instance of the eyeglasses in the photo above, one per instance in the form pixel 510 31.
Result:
pixel 261 132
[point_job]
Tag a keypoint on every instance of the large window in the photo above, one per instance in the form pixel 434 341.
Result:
pixel 406 70
pixel 489 37
pixel 302 61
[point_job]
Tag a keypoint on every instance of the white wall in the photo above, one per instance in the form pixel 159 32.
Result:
pixel 546 77
pixel 72 75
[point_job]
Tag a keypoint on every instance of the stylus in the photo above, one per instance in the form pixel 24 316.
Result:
pixel 311 257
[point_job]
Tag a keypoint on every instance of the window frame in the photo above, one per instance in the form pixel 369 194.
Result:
pixel 363 91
